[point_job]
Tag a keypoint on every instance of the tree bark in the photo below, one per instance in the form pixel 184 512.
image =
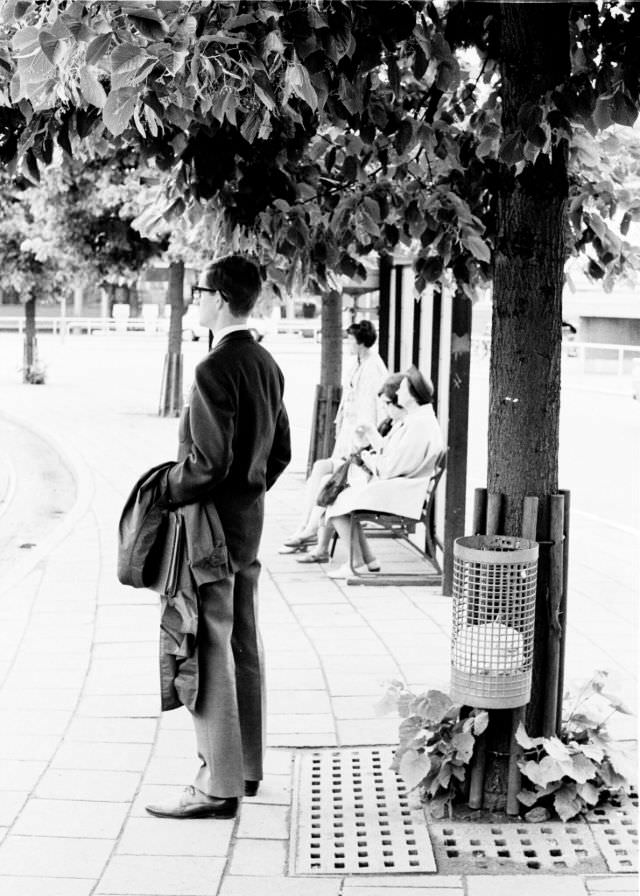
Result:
pixel 458 432
pixel 171 399
pixel 30 356
pixel 524 403
pixel 329 390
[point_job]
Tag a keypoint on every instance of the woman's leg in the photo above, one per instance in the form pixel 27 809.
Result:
pixel 365 548
pixel 343 528
pixel 310 521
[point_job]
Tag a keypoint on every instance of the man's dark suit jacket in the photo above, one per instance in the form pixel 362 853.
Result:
pixel 234 440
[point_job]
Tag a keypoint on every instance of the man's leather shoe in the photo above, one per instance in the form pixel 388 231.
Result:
pixel 194 803
pixel 251 788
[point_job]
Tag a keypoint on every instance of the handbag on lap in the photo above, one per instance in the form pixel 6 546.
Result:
pixel 336 483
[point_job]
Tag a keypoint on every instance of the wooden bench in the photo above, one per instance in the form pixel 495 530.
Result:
pixel 391 525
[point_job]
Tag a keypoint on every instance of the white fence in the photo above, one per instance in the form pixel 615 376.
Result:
pixel 65 325
pixel 601 356
pixel 604 356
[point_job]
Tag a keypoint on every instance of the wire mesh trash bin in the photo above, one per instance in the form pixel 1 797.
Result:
pixel 494 601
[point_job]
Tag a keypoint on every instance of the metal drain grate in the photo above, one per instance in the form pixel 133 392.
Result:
pixel 351 815
pixel 512 848
pixel 615 830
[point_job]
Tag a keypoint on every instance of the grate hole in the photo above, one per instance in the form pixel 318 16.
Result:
pixel 504 853
pixel 533 864
pixel 555 852
pixel 452 853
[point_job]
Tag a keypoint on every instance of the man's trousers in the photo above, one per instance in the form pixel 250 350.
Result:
pixel 230 715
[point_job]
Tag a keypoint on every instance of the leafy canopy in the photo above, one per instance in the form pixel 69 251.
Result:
pixel 326 130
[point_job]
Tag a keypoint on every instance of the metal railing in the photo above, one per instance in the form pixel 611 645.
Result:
pixel 615 355
pixel 620 354
pixel 65 325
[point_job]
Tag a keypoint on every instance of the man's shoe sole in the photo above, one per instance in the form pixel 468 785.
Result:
pixel 201 812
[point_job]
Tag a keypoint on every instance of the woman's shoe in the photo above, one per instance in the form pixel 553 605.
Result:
pixel 345 571
pixel 314 558
pixel 371 566
pixel 300 547
pixel 299 541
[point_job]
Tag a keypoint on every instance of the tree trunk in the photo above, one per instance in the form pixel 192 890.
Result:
pixel 328 392
pixel 171 389
pixel 524 404
pixel 30 351
pixel 457 434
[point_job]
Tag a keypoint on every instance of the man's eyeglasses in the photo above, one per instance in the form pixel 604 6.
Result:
pixel 196 292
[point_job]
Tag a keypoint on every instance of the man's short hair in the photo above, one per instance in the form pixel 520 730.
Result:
pixel 238 281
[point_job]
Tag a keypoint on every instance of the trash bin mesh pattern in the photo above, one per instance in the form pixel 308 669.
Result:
pixel 494 595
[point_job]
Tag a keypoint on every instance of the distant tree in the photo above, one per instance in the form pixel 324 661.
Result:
pixel 86 207
pixel 23 271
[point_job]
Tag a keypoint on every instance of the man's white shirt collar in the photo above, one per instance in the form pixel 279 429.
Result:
pixel 220 334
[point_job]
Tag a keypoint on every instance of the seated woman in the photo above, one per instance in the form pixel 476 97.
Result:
pixel 401 469
pixel 359 405
pixel 359 474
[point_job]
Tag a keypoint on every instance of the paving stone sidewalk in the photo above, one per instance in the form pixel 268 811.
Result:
pixel 83 747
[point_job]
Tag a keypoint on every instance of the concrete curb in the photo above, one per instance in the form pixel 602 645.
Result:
pixel 85 487
pixel 11 486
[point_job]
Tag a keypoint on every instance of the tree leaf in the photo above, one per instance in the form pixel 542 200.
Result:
pixel 602 113
pixel 589 793
pixel 414 766
pixel 511 149
pixel 477 246
pixel 409 728
pixel 250 126
pixel 438 805
pixel 616 702
pixel 592 751
pixel 297 81
pixel 582 769
pixel 567 804
pixel 433 707
pixel 463 742
pixel 393 72
pixel 118 109
pixel 126 58
pixel 154 123
pixel 26 41
pixel 91 89
pixel 543 772
pixel 528 797
pixel 148 22
pixel 480 721
pixel 624 111
pixel 264 90
pixel 97 48
pixel 556 749
pixel 52 46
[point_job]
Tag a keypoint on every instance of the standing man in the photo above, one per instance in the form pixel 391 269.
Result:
pixel 234 443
